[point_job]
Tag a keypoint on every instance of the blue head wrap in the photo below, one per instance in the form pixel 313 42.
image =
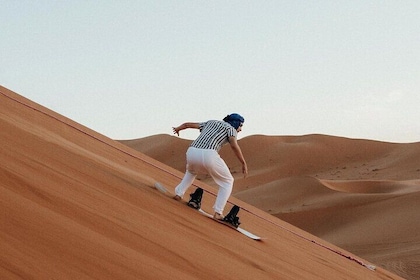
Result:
pixel 235 120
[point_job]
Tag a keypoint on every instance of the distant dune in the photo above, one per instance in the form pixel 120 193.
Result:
pixel 360 195
pixel 75 204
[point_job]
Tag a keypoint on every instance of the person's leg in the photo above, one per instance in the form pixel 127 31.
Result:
pixel 220 173
pixel 186 182
pixel 193 165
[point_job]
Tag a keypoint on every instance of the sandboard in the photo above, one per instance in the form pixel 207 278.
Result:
pixel 248 234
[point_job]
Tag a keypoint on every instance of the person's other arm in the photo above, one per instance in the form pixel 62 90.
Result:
pixel 185 126
pixel 238 152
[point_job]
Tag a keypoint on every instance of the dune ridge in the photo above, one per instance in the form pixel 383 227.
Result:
pixel 361 195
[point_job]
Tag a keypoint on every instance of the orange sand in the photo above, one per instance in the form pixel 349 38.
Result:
pixel 75 204
pixel 360 195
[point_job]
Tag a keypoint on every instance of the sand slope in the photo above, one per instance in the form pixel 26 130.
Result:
pixel 360 195
pixel 77 205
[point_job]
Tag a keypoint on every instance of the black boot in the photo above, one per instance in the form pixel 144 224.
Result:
pixel 231 218
pixel 195 201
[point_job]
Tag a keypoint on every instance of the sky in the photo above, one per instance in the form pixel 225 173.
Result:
pixel 133 69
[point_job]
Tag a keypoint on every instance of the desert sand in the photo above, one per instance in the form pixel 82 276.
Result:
pixel 75 204
pixel 360 195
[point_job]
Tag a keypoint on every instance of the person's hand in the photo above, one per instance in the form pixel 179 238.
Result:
pixel 176 130
pixel 245 170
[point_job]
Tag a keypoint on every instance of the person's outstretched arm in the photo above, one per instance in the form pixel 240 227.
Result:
pixel 185 126
pixel 238 152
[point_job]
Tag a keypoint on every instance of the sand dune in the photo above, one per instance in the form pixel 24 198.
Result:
pixel 361 195
pixel 374 186
pixel 75 204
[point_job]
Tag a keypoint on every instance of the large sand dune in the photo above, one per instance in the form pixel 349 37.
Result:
pixel 75 204
pixel 358 194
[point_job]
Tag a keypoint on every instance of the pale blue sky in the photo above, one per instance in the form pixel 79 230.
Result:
pixel 131 69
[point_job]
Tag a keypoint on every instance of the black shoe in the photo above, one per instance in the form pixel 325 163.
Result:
pixel 233 221
pixel 231 218
pixel 195 201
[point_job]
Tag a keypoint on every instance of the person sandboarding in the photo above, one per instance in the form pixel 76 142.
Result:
pixel 203 157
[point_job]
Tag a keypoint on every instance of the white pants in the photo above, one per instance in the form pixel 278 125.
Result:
pixel 210 162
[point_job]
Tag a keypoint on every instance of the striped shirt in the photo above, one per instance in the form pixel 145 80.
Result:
pixel 214 134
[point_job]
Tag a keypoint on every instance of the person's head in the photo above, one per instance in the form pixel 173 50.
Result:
pixel 235 120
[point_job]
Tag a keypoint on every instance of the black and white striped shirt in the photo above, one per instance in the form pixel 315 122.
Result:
pixel 214 134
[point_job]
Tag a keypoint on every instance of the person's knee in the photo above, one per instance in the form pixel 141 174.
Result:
pixel 227 185
pixel 230 181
